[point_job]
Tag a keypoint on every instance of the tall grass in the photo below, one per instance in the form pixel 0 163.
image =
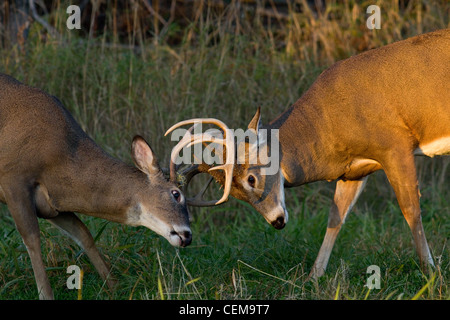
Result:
pixel 225 64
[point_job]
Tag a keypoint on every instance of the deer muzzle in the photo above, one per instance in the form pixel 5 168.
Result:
pixel 180 238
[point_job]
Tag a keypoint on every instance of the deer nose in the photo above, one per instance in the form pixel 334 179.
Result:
pixel 279 223
pixel 186 238
pixel 183 238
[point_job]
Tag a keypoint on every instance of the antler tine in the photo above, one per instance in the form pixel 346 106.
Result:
pixel 228 167
pixel 180 145
pixel 187 140
pixel 217 122
pixel 197 200
pixel 190 139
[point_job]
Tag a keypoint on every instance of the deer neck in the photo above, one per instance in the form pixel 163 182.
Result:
pixel 93 183
pixel 305 149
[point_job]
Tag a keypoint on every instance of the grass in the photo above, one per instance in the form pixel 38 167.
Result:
pixel 225 71
pixel 242 257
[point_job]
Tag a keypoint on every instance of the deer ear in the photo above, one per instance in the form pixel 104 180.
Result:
pixel 143 156
pixel 256 121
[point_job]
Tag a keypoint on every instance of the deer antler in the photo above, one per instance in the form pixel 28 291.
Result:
pixel 197 200
pixel 190 139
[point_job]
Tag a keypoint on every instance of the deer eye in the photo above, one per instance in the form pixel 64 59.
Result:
pixel 176 195
pixel 251 181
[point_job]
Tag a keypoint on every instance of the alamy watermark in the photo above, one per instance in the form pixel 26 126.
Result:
pixel 373 281
pixel 374 20
pixel 75 280
pixel 74 20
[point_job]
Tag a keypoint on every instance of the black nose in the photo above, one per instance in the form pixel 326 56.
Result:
pixel 186 238
pixel 279 223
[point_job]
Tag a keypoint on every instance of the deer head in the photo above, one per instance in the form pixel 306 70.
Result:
pixel 165 212
pixel 246 175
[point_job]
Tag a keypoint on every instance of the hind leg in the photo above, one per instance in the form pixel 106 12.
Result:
pixel 401 171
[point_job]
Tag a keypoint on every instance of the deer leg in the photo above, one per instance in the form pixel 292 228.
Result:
pixel 401 172
pixel 345 196
pixel 23 211
pixel 71 225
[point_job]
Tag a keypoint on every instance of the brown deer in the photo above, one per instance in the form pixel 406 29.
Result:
pixel 50 168
pixel 373 111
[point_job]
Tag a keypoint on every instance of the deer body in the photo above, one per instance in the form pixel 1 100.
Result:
pixel 50 168
pixel 358 110
pixel 373 111
pixel 370 112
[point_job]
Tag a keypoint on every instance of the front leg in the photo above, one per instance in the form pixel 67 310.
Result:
pixel 21 205
pixel 71 225
pixel 345 196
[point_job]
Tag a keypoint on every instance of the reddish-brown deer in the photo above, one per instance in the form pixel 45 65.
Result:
pixel 50 168
pixel 373 111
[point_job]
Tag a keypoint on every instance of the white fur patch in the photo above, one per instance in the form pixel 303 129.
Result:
pixel 140 216
pixel 363 162
pixel 286 214
pixel 357 194
pixel 438 147
pixel 280 209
